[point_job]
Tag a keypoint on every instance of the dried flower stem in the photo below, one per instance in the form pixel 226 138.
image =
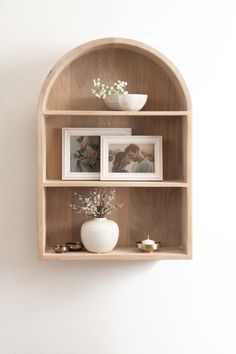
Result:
pixel 97 204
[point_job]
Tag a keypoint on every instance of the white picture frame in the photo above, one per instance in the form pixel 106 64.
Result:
pixel 148 156
pixel 69 136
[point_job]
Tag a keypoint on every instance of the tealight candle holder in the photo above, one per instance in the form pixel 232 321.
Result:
pixel 148 245
pixel 148 242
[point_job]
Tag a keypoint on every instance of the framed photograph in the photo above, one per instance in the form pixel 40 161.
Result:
pixel 81 151
pixel 131 158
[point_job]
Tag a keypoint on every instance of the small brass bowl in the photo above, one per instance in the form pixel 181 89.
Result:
pixel 148 248
pixel 60 248
pixel 74 246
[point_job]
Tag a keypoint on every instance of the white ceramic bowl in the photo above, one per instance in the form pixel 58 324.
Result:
pixel 129 102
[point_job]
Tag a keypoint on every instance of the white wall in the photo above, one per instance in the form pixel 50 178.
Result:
pixel 168 307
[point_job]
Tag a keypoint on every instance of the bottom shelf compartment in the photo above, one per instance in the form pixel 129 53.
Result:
pixel 160 213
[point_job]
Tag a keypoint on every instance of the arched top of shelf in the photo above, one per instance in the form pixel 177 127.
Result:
pixel 148 63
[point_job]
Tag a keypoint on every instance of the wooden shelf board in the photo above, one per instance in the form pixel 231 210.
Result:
pixel 113 113
pixel 59 183
pixel 118 254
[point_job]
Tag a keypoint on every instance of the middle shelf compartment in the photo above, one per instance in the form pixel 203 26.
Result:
pixel 173 130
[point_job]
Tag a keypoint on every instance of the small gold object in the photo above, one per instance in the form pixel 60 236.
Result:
pixel 74 246
pixel 60 248
pixel 148 248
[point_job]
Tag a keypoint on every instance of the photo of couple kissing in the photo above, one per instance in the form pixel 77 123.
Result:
pixel 132 160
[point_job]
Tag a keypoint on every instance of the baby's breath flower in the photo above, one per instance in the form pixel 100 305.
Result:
pixel 101 90
pixel 98 203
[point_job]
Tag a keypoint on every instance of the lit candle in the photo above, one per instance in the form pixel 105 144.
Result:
pixel 148 242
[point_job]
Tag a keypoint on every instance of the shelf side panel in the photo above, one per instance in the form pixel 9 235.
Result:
pixel 60 93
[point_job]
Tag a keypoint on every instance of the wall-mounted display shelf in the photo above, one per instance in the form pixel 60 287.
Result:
pixel 160 208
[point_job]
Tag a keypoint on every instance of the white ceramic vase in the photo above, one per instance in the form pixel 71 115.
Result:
pixel 99 235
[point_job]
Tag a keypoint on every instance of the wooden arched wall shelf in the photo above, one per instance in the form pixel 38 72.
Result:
pixel 161 208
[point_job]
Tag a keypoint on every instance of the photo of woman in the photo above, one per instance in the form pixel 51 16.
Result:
pixel 120 162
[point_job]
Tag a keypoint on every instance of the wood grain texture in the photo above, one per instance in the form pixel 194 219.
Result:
pixel 147 211
pixel 132 46
pixel 58 112
pixel 58 216
pixel 171 128
pixel 60 94
pixel 118 254
pixel 162 209
pixel 159 184
pixel 142 74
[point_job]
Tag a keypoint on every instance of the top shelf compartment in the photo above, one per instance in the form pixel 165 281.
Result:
pixel 144 72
